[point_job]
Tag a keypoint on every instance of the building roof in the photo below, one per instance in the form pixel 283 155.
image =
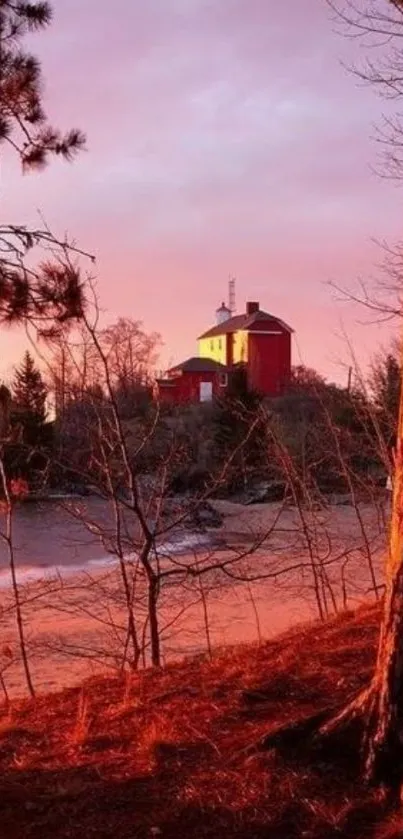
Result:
pixel 199 365
pixel 244 322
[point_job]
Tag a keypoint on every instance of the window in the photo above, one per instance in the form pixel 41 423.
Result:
pixel 219 344
pixel 211 345
pixel 223 379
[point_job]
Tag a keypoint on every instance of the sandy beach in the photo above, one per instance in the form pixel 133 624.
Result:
pixel 76 625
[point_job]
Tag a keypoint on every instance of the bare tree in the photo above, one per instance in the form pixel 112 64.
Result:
pixel 116 463
pixel 378 710
pixel 132 470
pixel 35 287
pixel 9 492
pixel 132 353
pixel 138 606
pixel 378 24
pixel 6 535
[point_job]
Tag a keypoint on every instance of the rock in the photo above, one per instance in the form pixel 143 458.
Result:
pixel 198 515
pixel 341 499
pixel 266 492
pixel 205 515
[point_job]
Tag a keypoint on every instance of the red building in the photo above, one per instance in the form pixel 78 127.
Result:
pixel 258 341
pixel 195 380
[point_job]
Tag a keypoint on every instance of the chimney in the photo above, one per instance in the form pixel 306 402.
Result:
pixel 252 307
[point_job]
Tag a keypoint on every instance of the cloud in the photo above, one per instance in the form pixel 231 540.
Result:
pixel 222 135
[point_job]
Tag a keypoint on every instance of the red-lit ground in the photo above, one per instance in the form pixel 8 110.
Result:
pixel 167 753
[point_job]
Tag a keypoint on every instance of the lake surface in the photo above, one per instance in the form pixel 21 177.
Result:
pixel 50 537
pixel 73 599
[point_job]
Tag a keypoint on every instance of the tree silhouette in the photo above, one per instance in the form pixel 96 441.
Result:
pixel 51 294
pixel 26 453
pixel 377 711
pixel 385 387
pixel 23 122
pixel 239 430
pixel 29 391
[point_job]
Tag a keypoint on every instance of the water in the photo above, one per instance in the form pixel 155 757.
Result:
pixel 51 539
pixel 73 601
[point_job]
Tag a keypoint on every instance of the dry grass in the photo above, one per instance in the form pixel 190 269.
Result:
pixel 81 726
pixel 168 753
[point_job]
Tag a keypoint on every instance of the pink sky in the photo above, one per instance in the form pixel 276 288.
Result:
pixel 224 137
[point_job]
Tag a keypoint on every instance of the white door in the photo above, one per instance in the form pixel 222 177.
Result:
pixel 206 391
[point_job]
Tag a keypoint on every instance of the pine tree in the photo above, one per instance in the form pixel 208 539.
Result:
pixel 385 387
pixel 29 393
pixel 239 431
pixel 52 294
pixel 23 121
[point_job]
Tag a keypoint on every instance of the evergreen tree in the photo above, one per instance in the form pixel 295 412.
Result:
pixel 240 431
pixel 26 453
pixel 52 294
pixel 29 393
pixel 385 387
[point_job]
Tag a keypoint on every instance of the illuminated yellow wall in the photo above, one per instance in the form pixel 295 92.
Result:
pixel 215 348
pixel 240 347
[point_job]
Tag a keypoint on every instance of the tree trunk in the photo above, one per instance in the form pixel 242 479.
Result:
pixel 131 625
pixel 385 729
pixel 153 619
pixel 384 723
pixel 379 708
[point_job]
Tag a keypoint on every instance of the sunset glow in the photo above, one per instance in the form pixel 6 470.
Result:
pixel 223 138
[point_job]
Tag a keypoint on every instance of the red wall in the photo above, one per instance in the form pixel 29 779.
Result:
pixel 187 388
pixel 269 362
pixel 166 394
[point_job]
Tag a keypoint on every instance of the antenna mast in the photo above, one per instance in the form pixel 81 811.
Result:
pixel 231 296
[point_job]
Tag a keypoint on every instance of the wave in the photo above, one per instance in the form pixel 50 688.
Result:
pixel 31 574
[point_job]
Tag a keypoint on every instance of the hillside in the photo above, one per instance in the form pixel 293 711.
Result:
pixel 167 754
